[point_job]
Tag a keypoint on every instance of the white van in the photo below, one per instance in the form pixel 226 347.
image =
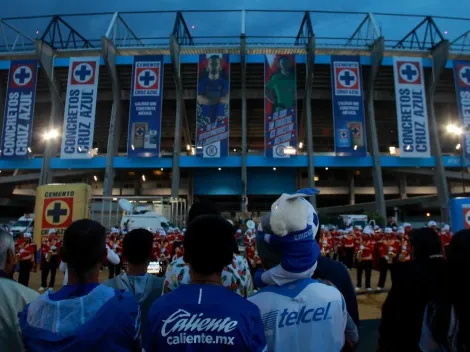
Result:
pixel 144 219
pixel 24 224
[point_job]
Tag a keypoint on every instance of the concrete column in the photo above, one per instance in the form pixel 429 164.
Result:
pixel 308 114
pixel 109 55
pixel 175 59
pixel 439 54
pixel 244 125
pixel 377 52
pixel 403 187
pixel 45 54
pixel 352 192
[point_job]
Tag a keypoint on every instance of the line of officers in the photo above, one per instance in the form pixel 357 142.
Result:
pixel 373 247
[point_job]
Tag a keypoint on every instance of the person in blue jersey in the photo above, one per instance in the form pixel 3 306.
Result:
pixel 302 314
pixel 204 315
pixel 83 315
pixel 212 92
pixel 137 249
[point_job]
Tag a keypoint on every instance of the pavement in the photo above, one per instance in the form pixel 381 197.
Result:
pixel 370 305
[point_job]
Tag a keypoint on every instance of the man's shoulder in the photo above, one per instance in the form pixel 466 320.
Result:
pixel 157 282
pixel 18 291
pixel 305 287
pixel 110 283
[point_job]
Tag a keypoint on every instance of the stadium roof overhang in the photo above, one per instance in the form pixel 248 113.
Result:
pixel 83 38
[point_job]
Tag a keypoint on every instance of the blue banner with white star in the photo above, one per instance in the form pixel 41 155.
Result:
pixel 462 88
pixel 145 111
pixel 19 109
pixel 348 106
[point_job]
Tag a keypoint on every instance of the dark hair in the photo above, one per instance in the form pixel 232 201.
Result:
pixel 426 242
pixel 84 246
pixel 137 246
pixel 203 207
pixel 454 295
pixel 208 244
pixel 269 255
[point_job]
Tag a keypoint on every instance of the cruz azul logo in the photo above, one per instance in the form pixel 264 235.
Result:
pixel 183 327
pixel 409 72
pixel 290 318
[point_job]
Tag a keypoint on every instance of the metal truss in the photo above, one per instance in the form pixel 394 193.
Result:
pixel 121 34
pixel 425 36
pixel 181 31
pixel 305 31
pixel 61 35
pixel 461 43
pixel 365 34
pixel 12 40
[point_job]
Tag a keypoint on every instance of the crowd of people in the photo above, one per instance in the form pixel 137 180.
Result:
pixel 282 285
pixel 374 247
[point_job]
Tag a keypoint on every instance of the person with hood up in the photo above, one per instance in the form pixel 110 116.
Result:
pixel 137 249
pixel 14 296
pixel 83 315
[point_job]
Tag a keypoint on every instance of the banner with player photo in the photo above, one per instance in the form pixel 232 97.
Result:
pixel 145 111
pixel 412 113
pixel 213 106
pixel 19 109
pixel 462 88
pixel 80 108
pixel 280 106
pixel 348 106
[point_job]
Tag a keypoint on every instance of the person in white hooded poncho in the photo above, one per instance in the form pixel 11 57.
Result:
pixel 13 296
pixel 137 249
pixel 83 315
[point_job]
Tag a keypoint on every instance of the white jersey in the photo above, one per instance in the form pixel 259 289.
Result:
pixel 302 316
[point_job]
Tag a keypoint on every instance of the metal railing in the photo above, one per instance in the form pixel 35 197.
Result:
pixel 106 210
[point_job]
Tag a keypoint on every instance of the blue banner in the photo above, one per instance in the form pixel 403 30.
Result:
pixel 348 106
pixel 213 106
pixel 19 109
pixel 462 87
pixel 145 115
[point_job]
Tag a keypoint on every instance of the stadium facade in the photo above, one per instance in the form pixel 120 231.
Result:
pixel 225 116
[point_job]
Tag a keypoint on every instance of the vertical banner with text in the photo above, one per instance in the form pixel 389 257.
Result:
pixel 213 106
pixel 348 106
pixel 19 109
pixel 145 112
pixel 80 108
pixel 462 88
pixel 280 106
pixel 412 114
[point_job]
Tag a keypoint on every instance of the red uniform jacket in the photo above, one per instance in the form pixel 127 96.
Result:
pixel 388 245
pixel 445 239
pixel 348 241
pixel 25 251
pixel 368 249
